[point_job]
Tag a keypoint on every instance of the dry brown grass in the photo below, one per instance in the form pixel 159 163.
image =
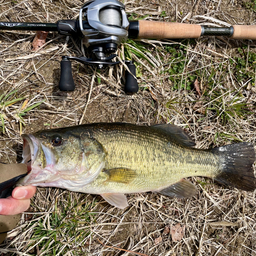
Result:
pixel 218 221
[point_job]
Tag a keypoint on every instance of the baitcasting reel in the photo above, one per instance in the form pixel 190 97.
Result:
pixel 104 26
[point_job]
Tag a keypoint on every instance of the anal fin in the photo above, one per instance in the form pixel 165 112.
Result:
pixel 181 189
pixel 118 200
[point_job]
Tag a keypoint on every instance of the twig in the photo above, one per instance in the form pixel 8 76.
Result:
pixel 120 249
pixel 89 97
pixel 33 55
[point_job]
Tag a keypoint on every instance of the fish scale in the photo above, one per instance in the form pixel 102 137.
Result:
pixel 157 159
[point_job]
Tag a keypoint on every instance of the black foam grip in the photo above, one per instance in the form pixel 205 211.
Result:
pixel 133 30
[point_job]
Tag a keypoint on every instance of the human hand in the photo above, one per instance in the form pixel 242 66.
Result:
pixel 20 199
pixel 18 202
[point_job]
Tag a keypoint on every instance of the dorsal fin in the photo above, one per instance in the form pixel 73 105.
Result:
pixel 177 134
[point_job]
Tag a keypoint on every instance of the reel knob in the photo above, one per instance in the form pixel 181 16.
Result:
pixel 66 78
pixel 131 83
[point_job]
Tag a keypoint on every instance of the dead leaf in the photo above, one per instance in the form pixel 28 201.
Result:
pixel 39 40
pixel 199 107
pixel 207 127
pixel 152 94
pixel 177 232
pixel 197 87
pixel 158 240
pixel 166 230
pixel 24 104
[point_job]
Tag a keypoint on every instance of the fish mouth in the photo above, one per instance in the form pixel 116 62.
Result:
pixel 37 173
pixel 30 150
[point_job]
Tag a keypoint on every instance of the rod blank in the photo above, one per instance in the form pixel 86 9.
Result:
pixel 28 26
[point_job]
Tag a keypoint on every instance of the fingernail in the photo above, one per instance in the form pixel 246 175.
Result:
pixel 20 193
pixel 1 207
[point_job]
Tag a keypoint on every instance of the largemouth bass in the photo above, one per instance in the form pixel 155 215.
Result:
pixel 119 158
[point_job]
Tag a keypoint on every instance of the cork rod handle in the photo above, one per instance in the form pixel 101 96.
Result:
pixel 172 30
pixel 158 30
pixel 244 32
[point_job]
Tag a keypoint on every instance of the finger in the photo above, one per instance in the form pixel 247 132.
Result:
pixel 25 192
pixel 12 206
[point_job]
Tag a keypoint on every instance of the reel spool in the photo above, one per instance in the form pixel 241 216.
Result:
pixel 108 26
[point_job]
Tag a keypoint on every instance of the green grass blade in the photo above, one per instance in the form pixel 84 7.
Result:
pixel 32 107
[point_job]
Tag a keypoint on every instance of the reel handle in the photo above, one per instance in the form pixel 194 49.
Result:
pixel 66 78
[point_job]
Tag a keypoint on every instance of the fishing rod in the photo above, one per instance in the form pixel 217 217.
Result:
pixel 103 25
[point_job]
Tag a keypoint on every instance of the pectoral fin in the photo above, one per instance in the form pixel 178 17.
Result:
pixel 116 199
pixel 121 175
pixel 180 189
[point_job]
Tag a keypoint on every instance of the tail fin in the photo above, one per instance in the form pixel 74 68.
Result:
pixel 237 166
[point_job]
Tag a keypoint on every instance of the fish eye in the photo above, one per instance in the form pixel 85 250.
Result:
pixel 56 140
